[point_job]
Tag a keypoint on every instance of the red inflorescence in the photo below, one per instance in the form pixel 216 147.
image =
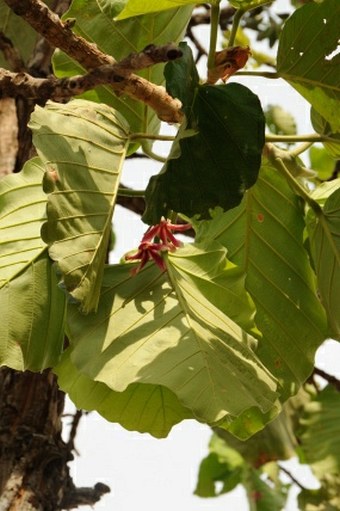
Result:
pixel 149 249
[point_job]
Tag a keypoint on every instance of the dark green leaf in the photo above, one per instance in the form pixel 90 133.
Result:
pixel 215 166
pixel 323 127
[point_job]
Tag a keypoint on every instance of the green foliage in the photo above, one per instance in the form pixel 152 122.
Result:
pixel 305 57
pixel 31 329
pixel 224 329
pixel 83 146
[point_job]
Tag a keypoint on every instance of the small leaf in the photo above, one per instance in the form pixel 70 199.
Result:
pixel 145 408
pixel 310 64
pixel 83 146
pixel 223 465
pixel 215 166
pixel 280 121
pixel 324 233
pixel 321 162
pixel 323 127
pixel 32 307
pixel 261 495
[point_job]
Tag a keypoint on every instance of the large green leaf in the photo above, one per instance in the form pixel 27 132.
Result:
pixel 141 407
pixel 83 146
pixel 139 7
pixel 264 236
pixel 306 57
pixel 149 329
pixel 32 307
pixel 324 233
pixel 215 165
pixel 320 434
pixel 120 38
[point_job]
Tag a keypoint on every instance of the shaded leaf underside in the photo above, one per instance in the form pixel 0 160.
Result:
pixel 83 146
pixel 144 333
pixel 32 307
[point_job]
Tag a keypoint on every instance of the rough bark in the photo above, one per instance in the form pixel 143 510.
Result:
pixel 34 472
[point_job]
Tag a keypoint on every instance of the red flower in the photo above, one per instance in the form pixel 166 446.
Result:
pixel 151 250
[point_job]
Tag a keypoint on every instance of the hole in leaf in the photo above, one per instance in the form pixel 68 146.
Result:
pixel 333 53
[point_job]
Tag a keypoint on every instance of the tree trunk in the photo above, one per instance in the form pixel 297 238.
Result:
pixel 33 468
pixel 34 475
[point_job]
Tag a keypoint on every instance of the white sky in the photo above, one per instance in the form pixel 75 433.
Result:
pixel 144 473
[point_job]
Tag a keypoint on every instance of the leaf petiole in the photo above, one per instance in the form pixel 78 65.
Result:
pixel 214 20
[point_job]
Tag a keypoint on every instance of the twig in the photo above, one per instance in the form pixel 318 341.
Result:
pixel 328 377
pixel 59 34
pixel 74 427
pixel 23 84
pixel 291 477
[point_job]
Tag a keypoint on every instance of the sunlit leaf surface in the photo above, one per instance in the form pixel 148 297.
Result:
pixel 264 236
pixel 149 329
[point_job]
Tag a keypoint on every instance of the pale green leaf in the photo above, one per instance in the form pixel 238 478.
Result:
pixel 120 38
pixel 324 235
pixel 32 307
pixel 264 236
pixel 83 146
pixel 280 121
pixel 152 330
pixel 320 434
pixel 321 162
pixel 141 407
pixel 307 56
pixel 323 127
pixel 139 7
pixel 223 465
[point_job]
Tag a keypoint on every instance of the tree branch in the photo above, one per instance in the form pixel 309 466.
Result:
pixel 23 84
pixel 59 34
